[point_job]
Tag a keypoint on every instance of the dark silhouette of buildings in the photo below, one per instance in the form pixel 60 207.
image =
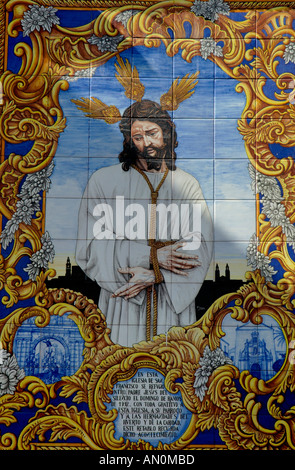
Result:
pixel 76 280
pixel 211 290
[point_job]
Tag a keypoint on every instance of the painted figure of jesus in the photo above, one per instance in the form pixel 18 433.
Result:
pixel 145 232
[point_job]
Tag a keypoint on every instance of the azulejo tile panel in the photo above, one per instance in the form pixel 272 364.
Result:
pixel 147 225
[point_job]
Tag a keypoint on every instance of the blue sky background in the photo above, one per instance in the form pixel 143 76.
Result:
pixel 210 148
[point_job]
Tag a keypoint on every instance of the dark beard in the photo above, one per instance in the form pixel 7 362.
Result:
pixel 153 162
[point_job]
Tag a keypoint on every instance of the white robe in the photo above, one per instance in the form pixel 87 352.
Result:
pixel 101 258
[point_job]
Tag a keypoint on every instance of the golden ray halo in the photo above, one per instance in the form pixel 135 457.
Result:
pixel 180 90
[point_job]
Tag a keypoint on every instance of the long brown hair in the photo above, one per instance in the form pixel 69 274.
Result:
pixel 147 110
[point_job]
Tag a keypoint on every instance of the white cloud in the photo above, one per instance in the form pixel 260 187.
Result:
pixel 234 220
pixel 230 190
pixel 62 217
pixel 68 182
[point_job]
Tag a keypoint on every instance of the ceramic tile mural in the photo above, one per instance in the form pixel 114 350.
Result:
pixel 147 225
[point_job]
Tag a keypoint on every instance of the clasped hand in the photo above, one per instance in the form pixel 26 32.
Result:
pixel 168 258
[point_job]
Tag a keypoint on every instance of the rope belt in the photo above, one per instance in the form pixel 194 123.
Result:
pixel 155 245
